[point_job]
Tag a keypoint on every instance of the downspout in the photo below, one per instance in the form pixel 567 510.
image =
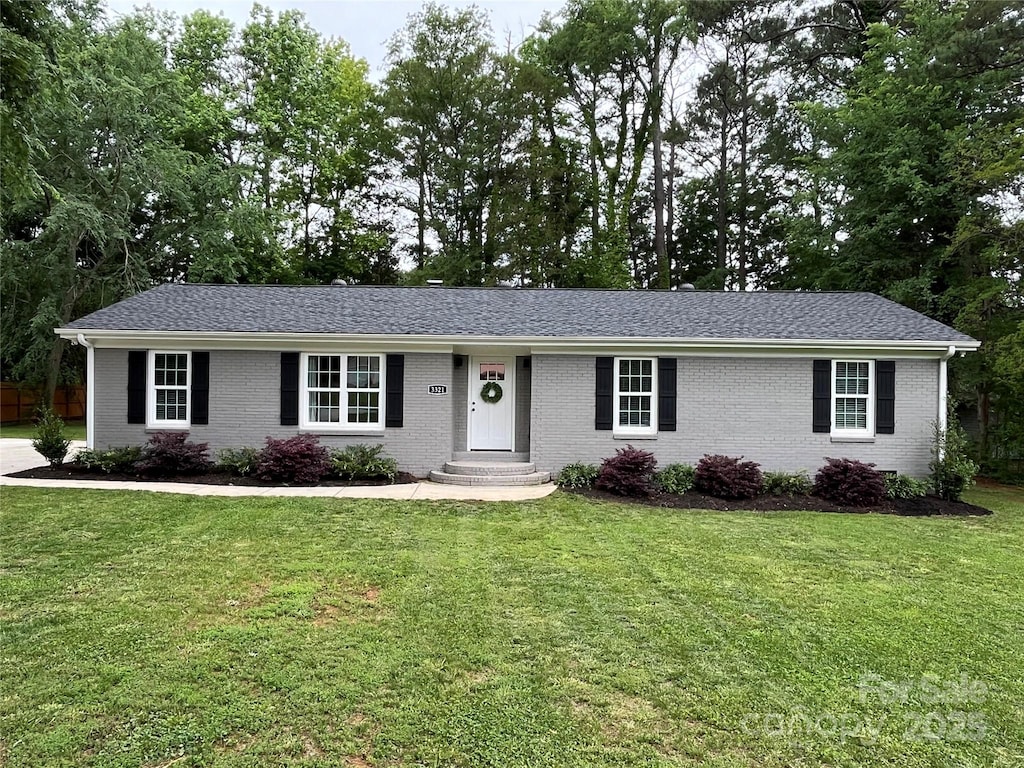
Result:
pixel 90 391
pixel 943 399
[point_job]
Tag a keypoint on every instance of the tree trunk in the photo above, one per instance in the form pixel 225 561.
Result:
pixel 307 247
pixel 721 241
pixel 984 418
pixel 266 183
pixel 670 211
pixel 595 203
pixel 421 221
pixel 664 279
pixel 53 371
pixel 741 250
pixel 67 307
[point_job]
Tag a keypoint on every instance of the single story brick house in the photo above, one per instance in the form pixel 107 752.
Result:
pixel 548 376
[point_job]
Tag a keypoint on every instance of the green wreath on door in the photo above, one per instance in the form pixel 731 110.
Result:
pixel 491 392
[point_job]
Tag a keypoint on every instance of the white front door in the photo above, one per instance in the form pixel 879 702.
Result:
pixel 492 398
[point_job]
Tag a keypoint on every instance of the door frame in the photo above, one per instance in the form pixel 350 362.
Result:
pixel 509 392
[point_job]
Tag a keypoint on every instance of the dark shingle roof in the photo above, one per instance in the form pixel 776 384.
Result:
pixel 469 312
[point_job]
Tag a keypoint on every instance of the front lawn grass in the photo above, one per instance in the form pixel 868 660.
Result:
pixel 153 629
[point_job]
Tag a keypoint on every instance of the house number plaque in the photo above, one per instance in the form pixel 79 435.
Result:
pixel 437 389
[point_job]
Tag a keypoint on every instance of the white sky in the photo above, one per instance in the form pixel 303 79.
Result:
pixel 365 24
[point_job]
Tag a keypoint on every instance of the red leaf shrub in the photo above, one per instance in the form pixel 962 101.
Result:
pixel 299 459
pixel 630 472
pixel 849 482
pixel 728 478
pixel 169 453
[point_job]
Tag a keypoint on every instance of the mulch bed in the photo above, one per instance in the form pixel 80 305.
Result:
pixel 925 506
pixel 73 471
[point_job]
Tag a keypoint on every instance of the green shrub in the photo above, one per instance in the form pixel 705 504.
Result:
pixel 50 441
pixel 577 475
pixel 238 461
pixel 952 469
pixel 675 478
pixel 787 484
pixel 363 462
pixel 899 486
pixel 112 460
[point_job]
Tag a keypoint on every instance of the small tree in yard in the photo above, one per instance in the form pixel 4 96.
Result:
pixel 50 441
pixel 952 469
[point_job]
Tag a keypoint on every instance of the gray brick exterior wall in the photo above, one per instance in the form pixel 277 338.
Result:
pixel 756 407
pixel 245 402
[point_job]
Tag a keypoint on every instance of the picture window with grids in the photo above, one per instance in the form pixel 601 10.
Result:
pixel 343 391
pixel 852 411
pixel 635 396
pixel 169 400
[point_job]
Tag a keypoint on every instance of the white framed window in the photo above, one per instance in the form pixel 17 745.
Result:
pixel 169 377
pixel 342 392
pixel 636 396
pixel 853 393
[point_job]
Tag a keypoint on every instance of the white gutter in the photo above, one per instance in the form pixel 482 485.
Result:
pixel 538 343
pixel 943 398
pixel 90 390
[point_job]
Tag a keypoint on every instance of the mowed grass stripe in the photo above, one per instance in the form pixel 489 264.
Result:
pixel 143 628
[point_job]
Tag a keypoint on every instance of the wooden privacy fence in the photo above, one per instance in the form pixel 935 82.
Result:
pixel 18 402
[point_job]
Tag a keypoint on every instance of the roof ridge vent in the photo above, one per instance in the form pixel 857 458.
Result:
pixel 338 281
pixel 687 287
pixel 435 281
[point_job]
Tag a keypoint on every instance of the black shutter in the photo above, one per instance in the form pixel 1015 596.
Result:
pixel 666 394
pixel 822 398
pixel 885 397
pixel 289 389
pixel 394 394
pixel 604 376
pixel 200 387
pixel 136 387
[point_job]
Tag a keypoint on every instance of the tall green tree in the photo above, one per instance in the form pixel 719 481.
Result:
pixel 219 233
pixel 310 131
pixel 543 201
pixel 104 156
pixel 927 148
pixel 731 138
pixel 446 94
pixel 28 29
pixel 615 57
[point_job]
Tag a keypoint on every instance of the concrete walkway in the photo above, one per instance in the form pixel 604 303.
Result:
pixel 17 454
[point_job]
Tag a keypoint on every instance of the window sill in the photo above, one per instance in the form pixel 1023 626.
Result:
pixel 627 436
pixel 168 428
pixel 852 438
pixel 335 431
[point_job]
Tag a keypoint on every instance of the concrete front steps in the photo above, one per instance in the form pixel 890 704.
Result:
pixel 490 470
